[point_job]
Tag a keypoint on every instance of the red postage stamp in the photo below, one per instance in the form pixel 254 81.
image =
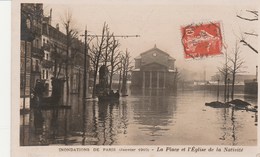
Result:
pixel 201 40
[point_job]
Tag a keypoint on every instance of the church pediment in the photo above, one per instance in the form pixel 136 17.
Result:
pixel 153 51
pixel 154 58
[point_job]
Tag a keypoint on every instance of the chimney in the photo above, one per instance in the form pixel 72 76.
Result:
pixel 50 17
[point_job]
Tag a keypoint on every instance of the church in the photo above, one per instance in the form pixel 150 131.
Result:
pixel 154 69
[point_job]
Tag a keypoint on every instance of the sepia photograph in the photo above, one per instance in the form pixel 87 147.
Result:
pixel 129 73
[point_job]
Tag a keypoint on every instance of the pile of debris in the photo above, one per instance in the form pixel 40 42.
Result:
pixel 236 104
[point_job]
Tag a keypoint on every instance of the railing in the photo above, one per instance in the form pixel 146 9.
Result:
pixel 47 63
pixel 46 47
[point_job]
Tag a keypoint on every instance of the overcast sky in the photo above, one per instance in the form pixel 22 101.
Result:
pixel 160 23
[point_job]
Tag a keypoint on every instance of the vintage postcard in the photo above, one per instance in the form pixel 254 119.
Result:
pixel 135 78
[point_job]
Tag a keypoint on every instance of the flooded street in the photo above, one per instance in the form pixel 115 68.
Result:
pixel 142 118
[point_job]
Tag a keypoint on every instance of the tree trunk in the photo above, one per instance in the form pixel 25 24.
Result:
pixel 95 80
pixel 110 81
pixel 67 80
pixel 119 80
pixel 225 88
pixel 79 84
pixel 124 91
pixel 233 85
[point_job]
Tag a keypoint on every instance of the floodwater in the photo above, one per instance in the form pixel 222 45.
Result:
pixel 151 117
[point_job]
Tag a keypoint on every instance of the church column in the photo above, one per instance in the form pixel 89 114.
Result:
pixel 158 75
pixel 164 79
pixel 143 79
pixel 151 79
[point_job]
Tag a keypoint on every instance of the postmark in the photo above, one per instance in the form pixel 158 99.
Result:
pixel 201 40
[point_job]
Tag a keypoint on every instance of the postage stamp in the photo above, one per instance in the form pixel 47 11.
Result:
pixel 201 40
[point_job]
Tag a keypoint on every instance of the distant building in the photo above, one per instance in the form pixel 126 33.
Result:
pixel 240 78
pixel 154 69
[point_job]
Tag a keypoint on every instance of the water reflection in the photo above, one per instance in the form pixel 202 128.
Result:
pixel 154 114
pixel 233 127
pixel 45 127
pixel 144 117
pixel 225 123
pixel 103 121
pixel 152 92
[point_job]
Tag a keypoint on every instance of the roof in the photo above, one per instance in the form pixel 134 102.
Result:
pixel 156 49
pixel 138 57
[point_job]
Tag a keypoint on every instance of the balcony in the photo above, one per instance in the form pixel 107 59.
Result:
pixel 47 63
pixel 37 53
pixel 46 47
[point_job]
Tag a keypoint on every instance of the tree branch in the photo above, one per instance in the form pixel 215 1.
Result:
pixel 251 34
pixel 243 41
pixel 253 12
pixel 244 18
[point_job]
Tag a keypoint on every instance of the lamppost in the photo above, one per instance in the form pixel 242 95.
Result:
pixel 228 89
pixel 85 66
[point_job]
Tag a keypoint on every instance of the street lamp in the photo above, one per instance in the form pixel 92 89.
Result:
pixel 85 66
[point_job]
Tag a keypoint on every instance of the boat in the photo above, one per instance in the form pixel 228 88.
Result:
pixel 109 97
pixel 102 91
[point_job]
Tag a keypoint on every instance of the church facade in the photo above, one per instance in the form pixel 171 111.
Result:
pixel 154 69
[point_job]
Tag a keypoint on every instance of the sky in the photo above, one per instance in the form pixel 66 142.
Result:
pixel 160 24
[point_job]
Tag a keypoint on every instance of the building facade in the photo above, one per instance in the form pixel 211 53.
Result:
pixel 154 69
pixel 30 49
pixel 43 54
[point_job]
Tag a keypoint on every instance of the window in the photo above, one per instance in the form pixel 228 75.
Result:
pixel 37 43
pixel 43 73
pixel 47 74
pixel 47 56
pixel 37 65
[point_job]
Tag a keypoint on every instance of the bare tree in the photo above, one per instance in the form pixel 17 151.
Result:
pixel 224 70
pixel 114 60
pixel 125 69
pixel 120 69
pixel 107 52
pixel 56 55
pixel 237 64
pixel 71 34
pixel 96 54
pixel 253 17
